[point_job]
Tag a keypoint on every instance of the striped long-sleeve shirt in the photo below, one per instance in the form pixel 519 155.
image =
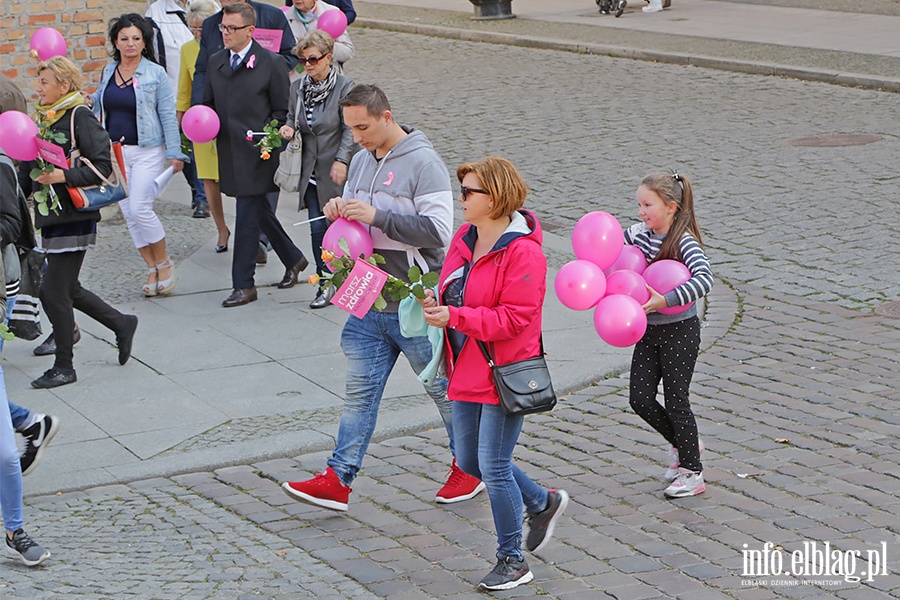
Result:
pixel 694 258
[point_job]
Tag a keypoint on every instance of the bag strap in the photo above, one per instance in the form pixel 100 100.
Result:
pixel 85 159
pixel 487 355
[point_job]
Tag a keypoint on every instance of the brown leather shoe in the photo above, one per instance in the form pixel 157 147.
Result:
pixel 290 276
pixel 240 297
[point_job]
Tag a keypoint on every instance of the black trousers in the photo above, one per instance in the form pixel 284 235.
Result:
pixel 61 292
pixel 668 352
pixel 256 214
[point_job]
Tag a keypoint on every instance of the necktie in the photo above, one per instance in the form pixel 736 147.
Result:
pixel 235 61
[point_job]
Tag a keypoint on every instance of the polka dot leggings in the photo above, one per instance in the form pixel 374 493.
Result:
pixel 668 352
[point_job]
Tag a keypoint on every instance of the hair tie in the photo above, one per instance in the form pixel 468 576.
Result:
pixel 677 178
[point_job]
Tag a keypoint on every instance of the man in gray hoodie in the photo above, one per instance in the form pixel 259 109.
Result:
pixel 400 188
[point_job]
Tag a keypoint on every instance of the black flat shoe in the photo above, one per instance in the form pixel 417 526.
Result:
pixel 48 346
pixel 223 247
pixel 125 339
pixel 54 378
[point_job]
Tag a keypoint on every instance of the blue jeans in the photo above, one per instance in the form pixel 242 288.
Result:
pixel 485 440
pixel 10 470
pixel 16 412
pixel 372 345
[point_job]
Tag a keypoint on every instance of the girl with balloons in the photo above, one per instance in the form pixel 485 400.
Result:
pixel 669 237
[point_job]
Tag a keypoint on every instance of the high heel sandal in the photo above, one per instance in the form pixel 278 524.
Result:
pixel 151 288
pixel 224 247
pixel 166 286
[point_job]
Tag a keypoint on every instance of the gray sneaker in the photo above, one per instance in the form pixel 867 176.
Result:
pixel 540 526
pixel 510 572
pixel 25 548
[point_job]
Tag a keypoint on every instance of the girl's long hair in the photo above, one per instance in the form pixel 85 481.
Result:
pixel 675 188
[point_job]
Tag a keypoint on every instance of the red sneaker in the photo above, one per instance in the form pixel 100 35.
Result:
pixel 325 490
pixel 460 486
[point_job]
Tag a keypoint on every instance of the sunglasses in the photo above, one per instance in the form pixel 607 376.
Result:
pixel 312 60
pixel 465 191
pixel 231 28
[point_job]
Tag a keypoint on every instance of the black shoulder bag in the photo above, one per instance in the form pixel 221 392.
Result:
pixel 524 386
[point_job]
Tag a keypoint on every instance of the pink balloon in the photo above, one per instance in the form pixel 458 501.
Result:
pixel 666 275
pixel 628 283
pixel 17 135
pixel 631 259
pixel 598 238
pixel 620 321
pixel 333 22
pixel 354 233
pixel 579 284
pixel 200 124
pixel 46 43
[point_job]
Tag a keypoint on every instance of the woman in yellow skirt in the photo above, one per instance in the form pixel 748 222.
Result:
pixel 205 154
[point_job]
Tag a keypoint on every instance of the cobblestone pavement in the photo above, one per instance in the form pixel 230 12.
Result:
pixel 796 389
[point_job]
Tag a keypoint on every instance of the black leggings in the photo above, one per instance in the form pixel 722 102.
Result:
pixel 668 352
pixel 61 292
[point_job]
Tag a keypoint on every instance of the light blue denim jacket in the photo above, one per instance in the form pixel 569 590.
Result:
pixel 156 122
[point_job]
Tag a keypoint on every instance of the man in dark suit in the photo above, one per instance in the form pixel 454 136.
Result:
pixel 248 87
pixel 267 17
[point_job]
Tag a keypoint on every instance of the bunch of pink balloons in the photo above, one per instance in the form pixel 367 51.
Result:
pixel 354 233
pixel 200 124
pixel 18 135
pixel 606 277
pixel 333 22
pixel 46 43
pixel 612 278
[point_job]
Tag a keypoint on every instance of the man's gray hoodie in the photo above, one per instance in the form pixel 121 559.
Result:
pixel 410 190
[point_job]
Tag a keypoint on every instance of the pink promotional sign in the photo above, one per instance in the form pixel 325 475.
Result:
pixel 52 153
pixel 270 39
pixel 360 289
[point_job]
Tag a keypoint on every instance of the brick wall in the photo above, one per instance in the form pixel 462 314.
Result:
pixel 81 22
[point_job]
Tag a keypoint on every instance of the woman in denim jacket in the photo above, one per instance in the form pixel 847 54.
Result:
pixel 136 104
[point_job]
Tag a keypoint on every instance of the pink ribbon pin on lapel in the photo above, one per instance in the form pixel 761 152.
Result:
pixel 251 62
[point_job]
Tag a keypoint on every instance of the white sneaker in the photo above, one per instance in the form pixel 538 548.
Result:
pixel 674 462
pixel 654 6
pixel 686 484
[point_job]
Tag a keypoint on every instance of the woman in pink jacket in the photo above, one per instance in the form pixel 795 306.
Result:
pixel 492 289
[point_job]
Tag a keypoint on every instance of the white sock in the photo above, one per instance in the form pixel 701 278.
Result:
pixel 30 420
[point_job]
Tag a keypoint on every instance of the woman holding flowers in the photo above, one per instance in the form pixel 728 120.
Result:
pixel 314 109
pixel 65 233
pixel 136 103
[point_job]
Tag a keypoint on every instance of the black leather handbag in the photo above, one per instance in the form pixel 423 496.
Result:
pixel 524 386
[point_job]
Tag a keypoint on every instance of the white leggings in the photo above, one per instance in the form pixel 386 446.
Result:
pixel 142 166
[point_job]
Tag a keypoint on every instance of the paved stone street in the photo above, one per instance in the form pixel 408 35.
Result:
pixel 796 390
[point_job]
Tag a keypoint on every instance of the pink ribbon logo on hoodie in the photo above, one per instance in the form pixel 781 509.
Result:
pixel 390 178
